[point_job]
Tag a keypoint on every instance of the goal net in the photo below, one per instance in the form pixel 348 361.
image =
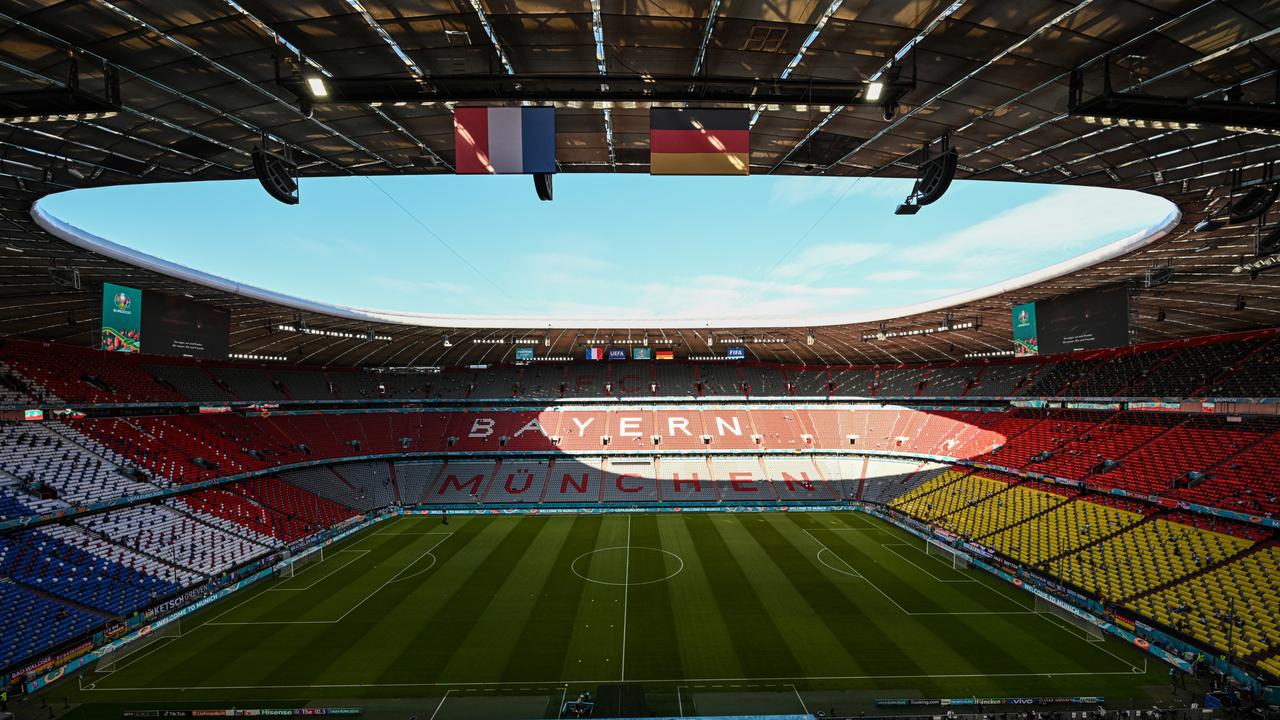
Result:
pixel 295 565
pixel 958 560
pixel 1070 620
pixel 120 656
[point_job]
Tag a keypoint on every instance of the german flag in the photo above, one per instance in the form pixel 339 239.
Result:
pixel 686 141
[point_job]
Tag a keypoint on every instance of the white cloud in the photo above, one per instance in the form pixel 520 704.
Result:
pixel 415 286
pixel 892 276
pixel 1060 225
pixel 820 261
pixel 704 296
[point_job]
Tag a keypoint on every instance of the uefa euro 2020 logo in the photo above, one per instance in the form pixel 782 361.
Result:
pixel 123 302
pixel 1023 318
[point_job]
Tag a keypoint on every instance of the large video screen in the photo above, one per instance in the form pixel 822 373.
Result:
pixel 121 318
pixel 1085 320
pixel 176 326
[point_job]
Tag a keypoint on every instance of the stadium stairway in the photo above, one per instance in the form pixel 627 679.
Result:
pixel 1117 530
pixel 1229 372
pixel 1043 508
pixel 1204 570
pixel 97 532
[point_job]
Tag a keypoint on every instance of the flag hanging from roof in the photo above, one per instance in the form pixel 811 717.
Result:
pixel 665 355
pixel 504 140
pixel 689 141
pixel 595 353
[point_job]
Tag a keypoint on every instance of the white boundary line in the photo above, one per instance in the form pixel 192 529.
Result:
pixel 358 554
pixel 130 659
pixel 558 683
pixel 626 593
pixel 437 710
pixel 888 597
pixel 802 705
pixel 394 578
pixel 890 546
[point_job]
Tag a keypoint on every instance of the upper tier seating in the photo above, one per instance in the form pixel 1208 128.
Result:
pixel 1258 377
pixel 192 381
pixel 949 381
pixel 86 376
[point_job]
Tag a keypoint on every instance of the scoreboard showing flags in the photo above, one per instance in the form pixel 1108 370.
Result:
pixel 504 140
pixel 690 141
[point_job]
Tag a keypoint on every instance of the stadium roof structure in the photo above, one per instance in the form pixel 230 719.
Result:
pixel 200 84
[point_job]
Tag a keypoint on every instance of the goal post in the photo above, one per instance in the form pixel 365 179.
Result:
pixel 294 565
pixel 119 657
pixel 1090 631
pixel 957 559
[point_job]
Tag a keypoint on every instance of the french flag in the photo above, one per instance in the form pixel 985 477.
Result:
pixel 504 140
pixel 595 353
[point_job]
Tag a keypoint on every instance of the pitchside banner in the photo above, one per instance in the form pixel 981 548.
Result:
pixel 1025 340
pixel 121 318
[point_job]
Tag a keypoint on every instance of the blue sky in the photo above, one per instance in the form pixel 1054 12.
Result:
pixel 629 246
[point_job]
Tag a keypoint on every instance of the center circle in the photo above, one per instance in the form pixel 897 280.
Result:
pixel 621 566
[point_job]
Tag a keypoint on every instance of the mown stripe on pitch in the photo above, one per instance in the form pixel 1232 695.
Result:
pixel 482 655
pixel 653 642
pixel 999 643
pixel 945 655
pixel 871 635
pixel 389 644
pixel 235 653
pixel 545 638
pixel 353 647
pixel 705 641
pixel 759 643
pixel 456 609
pixel 595 643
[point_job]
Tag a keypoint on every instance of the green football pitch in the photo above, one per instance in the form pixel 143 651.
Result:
pixel 707 613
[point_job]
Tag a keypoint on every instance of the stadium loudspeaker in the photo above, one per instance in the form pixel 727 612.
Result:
pixel 1252 204
pixel 937 177
pixel 278 175
pixel 933 178
pixel 542 184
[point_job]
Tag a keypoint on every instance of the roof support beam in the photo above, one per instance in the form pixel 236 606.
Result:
pixel 266 29
pixel 1062 17
pixel 907 47
pixel 493 38
pixel 597 31
pixel 1063 76
pixel 389 41
pixel 818 27
pixel 256 87
pixel 712 15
